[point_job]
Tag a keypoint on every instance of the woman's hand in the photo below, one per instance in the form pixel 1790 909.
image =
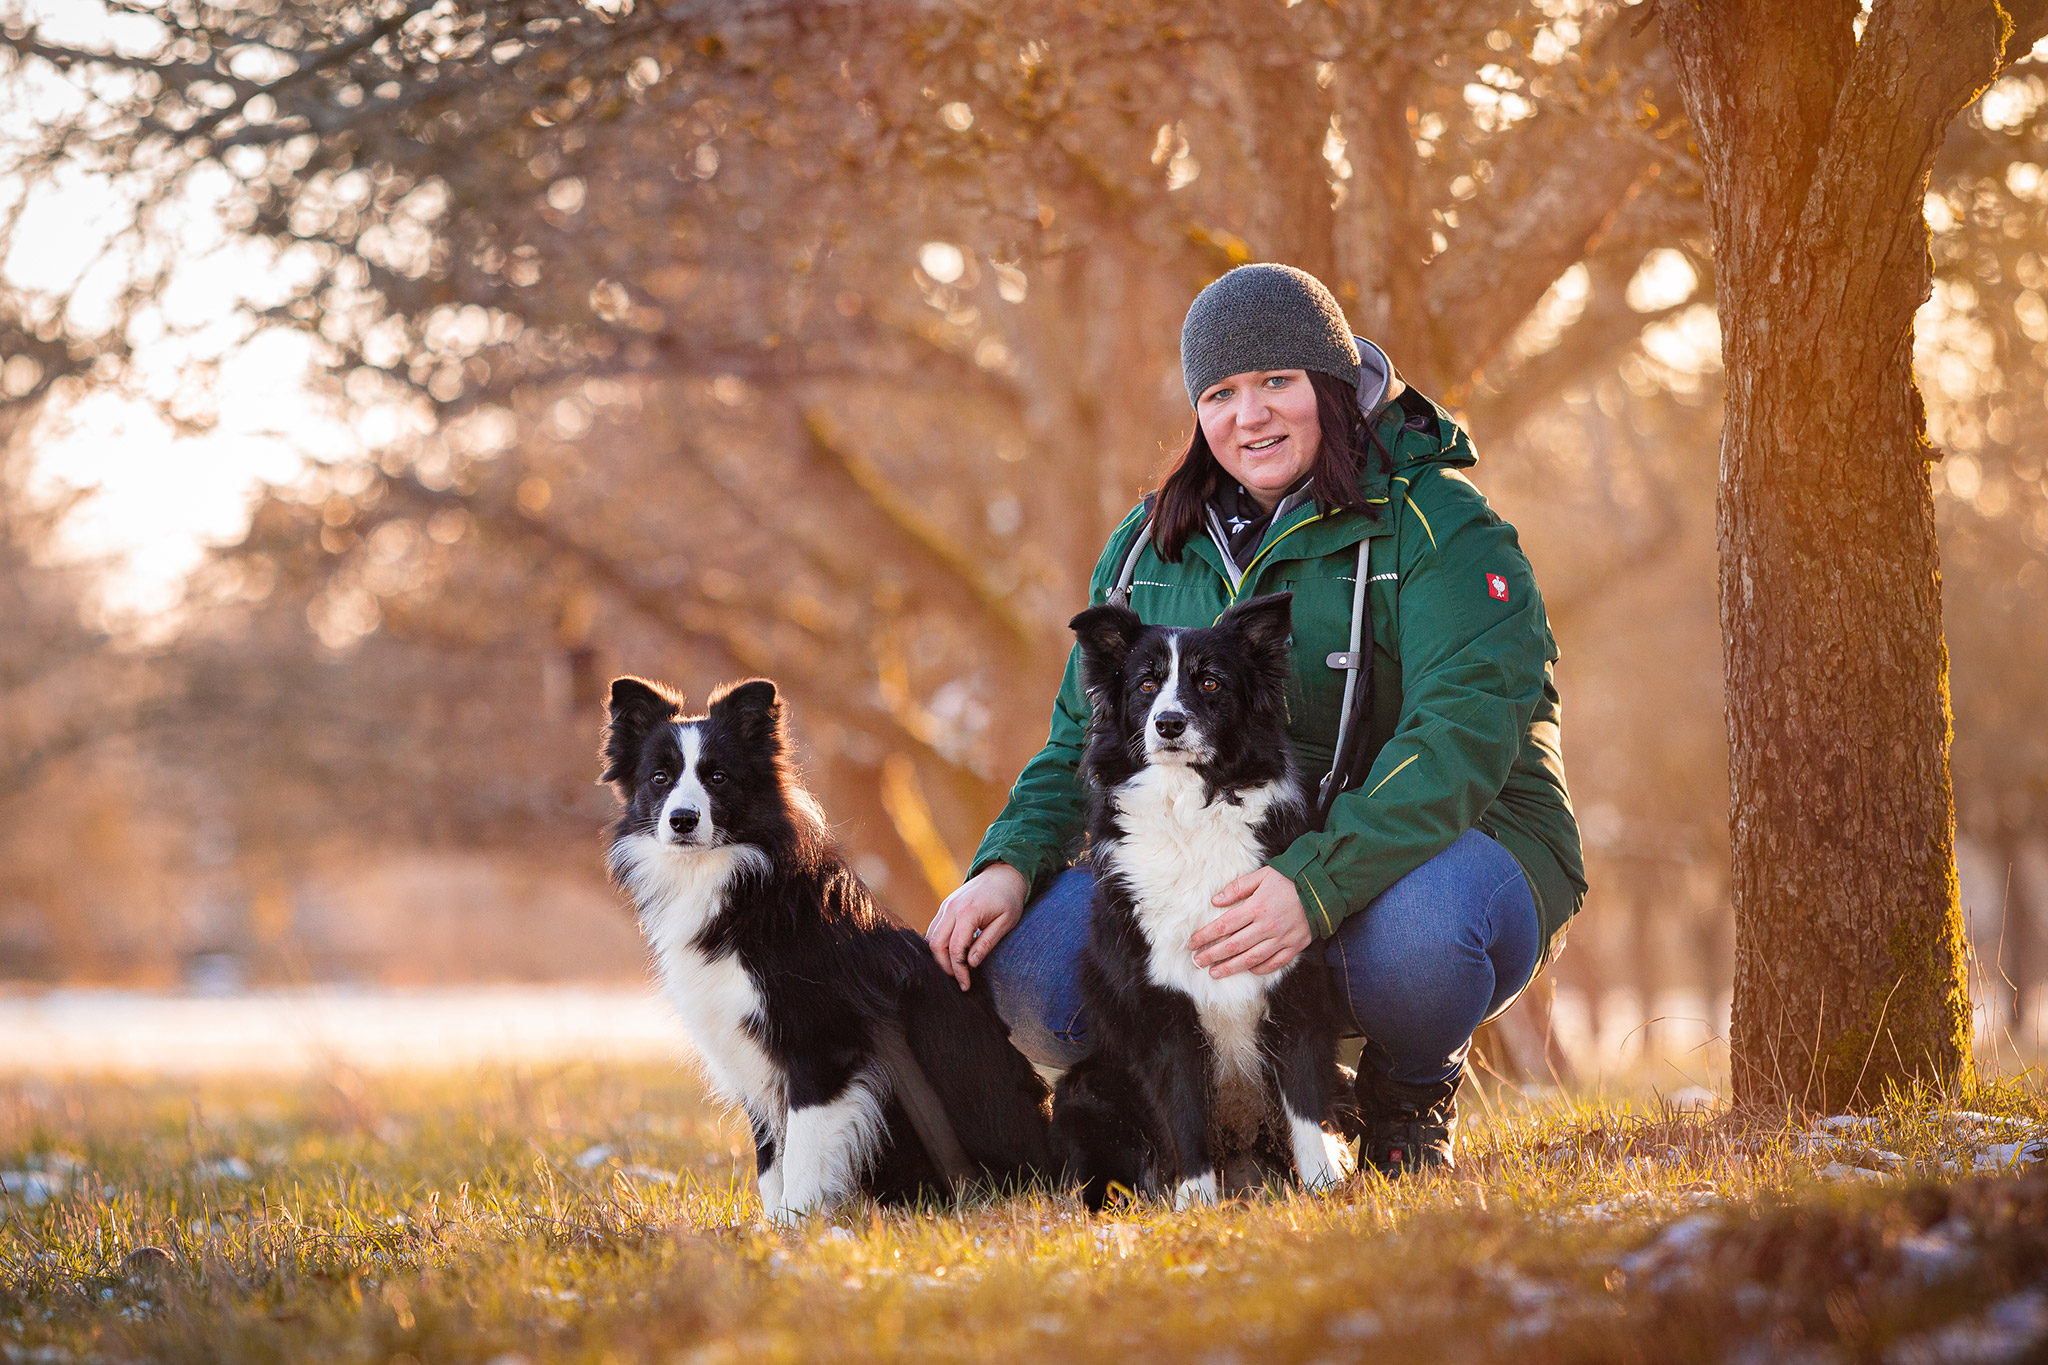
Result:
pixel 1266 931
pixel 974 918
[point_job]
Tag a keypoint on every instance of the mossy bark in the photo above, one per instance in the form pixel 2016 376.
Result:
pixel 1816 147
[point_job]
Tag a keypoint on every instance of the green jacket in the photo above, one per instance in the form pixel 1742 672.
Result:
pixel 1465 712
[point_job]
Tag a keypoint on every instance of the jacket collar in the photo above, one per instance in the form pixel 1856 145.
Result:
pixel 1302 533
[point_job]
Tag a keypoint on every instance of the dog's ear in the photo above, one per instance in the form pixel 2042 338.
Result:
pixel 637 706
pixel 753 708
pixel 1106 634
pixel 1264 624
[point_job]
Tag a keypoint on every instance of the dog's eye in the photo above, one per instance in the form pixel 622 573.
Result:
pixel 715 779
pixel 659 779
pixel 1210 684
pixel 1148 686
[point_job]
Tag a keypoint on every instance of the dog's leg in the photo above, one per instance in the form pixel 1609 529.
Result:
pixel 767 1169
pixel 1303 1067
pixel 1179 1084
pixel 828 1146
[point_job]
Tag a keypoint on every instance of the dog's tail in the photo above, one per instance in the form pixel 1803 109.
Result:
pixel 921 1103
pixel 996 1104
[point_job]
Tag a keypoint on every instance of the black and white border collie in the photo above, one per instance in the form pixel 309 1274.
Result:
pixel 1194 1085
pixel 785 973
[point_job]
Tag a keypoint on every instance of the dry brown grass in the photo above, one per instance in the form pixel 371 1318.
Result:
pixel 525 1215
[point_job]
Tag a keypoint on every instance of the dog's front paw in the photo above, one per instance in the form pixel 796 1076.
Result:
pixel 1343 1161
pixel 1195 1191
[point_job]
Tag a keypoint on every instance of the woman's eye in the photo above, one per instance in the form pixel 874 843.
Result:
pixel 715 779
pixel 1210 684
pixel 659 779
pixel 1219 395
pixel 1276 381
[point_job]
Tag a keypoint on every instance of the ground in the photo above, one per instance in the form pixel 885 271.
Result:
pixel 607 1214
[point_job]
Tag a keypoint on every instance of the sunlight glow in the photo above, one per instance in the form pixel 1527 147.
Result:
pixel 211 406
pixel 1664 280
pixel 942 261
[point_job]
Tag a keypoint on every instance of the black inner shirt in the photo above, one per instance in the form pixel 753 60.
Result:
pixel 1244 521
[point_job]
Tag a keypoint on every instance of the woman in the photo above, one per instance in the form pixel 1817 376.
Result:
pixel 1441 880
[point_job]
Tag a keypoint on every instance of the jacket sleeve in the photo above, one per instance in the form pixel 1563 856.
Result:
pixel 1042 822
pixel 1474 645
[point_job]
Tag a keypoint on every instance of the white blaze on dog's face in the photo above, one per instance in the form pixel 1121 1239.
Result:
pixel 1173 730
pixel 686 817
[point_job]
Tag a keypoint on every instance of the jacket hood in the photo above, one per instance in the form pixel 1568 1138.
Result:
pixel 1413 426
pixel 1440 439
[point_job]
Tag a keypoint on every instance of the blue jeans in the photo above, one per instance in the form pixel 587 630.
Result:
pixel 1415 973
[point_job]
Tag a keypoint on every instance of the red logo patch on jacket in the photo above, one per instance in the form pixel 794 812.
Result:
pixel 1496 587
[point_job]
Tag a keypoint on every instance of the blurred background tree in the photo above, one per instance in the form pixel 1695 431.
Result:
pixel 828 342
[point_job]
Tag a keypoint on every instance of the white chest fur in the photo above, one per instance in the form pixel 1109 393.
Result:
pixel 678 891
pixel 1176 850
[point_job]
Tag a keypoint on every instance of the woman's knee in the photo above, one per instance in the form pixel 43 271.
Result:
pixel 1425 950
pixel 1034 971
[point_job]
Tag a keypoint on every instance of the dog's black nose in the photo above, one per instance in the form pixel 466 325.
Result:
pixel 1169 724
pixel 682 821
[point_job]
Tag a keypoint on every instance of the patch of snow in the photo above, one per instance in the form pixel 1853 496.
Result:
pixel 2008 1331
pixel 1699 1194
pixel 594 1156
pixel 1971 1118
pixel 1356 1326
pixel 1935 1254
pixel 1693 1099
pixel 653 1173
pixel 1836 1170
pixel 1764 1351
pixel 36 1355
pixel 307 1031
pixel 1608 1210
pixel 2005 1156
pixel 224 1168
pixel 1845 1153
pixel 1847 1123
pixel 34 1188
pixel 1123 1235
pixel 1666 1262
pixel 558 1295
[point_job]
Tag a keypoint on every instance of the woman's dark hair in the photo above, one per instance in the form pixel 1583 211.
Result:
pixel 1348 445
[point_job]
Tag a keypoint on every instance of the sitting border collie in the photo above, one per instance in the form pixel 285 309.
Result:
pixel 798 994
pixel 1191 786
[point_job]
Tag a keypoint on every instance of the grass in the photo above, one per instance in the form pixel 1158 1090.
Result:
pixel 599 1214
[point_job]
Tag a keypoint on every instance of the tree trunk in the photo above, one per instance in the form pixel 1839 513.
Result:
pixel 1816 149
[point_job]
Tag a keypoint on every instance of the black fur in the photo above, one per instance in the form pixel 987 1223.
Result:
pixel 829 966
pixel 1143 1109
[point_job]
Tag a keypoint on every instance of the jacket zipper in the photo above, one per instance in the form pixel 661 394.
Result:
pixel 1239 584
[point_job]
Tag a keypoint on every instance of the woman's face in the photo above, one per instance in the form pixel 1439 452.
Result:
pixel 1262 428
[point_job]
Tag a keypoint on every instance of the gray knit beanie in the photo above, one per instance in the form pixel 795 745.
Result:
pixel 1265 317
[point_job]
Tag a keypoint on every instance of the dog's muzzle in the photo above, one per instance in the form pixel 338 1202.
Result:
pixel 1169 734
pixel 682 827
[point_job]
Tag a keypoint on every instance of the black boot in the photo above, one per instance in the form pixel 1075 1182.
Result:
pixel 1406 1127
